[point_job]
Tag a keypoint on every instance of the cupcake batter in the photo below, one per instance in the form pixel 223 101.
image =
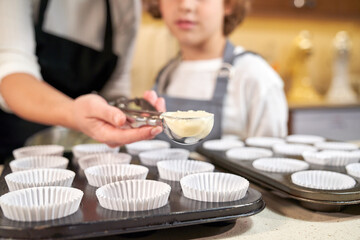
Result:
pixel 189 123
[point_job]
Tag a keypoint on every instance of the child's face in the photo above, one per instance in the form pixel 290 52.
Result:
pixel 194 22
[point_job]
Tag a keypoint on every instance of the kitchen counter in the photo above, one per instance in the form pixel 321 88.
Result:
pixel 281 219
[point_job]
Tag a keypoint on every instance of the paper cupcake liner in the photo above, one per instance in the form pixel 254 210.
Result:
pixel 356 153
pixel 280 165
pixel 39 150
pixel 294 150
pixel 230 137
pixel 40 203
pixel 263 142
pixel 336 146
pixel 133 195
pixel 38 162
pixel 103 158
pixel 353 169
pixel 214 187
pixel 150 158
pixel 174 170
pixel 146 145
pixel 304 139
pixel 39 178
pixel 312 157
pixel 248 153
pixel 91 148
pixel 222 144
pixel 331 157
pixel 100 175
pixel 324 180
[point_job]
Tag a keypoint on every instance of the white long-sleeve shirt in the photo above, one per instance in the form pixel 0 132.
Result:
pixel 81 21
pixel 255 103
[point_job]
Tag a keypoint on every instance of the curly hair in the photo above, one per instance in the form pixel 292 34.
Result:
pixel 239 10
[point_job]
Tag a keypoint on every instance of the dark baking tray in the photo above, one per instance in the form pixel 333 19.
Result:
pixel 91 220
pixel 281 184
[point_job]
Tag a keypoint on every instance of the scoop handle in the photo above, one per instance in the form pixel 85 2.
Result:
pixel 139 112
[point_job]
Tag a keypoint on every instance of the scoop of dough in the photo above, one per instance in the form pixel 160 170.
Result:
pixel 196 124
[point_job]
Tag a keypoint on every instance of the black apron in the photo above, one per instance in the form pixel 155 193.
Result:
pixel 214 105
pixel 72 68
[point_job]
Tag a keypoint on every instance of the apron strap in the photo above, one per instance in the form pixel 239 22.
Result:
pixel 163 77
pixel 108 36
pixel 226 71
pixel 42 10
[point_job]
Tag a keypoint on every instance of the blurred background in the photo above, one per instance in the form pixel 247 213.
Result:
pixel 313 44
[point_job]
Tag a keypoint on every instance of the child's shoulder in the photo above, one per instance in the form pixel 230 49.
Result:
pixel 253 67
pixel 249 58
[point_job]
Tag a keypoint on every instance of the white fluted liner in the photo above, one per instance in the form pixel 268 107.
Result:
pixel 264 142
pixel 331 157
pixel 81 150
pixel 133 195
pixel 39 178
pixel 222 144
pixel 280 165
pixel 214 187
pixel 146 145
pixel 324 180
pixel 248 153
pixel 336 146
pixel 353 169
pixel 40 203
pixel 294 150
pixel 312 157
pixel 356 153
pixel 49 150
pixel 32 162
pixel 174 170
pixel 103 158
pixel 304 139
pixel 150 158
pixel 231 137
pixel 100 175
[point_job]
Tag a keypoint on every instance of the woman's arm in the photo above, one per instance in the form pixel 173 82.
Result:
pixel 22 90
pixel 38 102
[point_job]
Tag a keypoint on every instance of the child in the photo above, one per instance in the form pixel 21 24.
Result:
pixel 239 87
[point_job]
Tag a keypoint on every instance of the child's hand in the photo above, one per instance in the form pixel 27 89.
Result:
pixel 158 103
pixel 102 122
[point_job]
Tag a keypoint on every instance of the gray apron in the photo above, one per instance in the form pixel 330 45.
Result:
pixel 214 105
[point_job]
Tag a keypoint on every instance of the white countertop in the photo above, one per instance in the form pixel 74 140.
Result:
pixel 281 219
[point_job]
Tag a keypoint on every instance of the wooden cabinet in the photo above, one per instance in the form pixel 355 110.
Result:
pixel 340 9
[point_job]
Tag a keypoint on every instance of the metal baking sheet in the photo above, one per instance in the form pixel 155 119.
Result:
pixel 91 220
pixel 321 200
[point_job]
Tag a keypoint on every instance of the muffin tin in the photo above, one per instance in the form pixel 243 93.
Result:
pixel 281 183
pixel 92 220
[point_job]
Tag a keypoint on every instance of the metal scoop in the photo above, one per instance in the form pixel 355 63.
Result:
pixel 140 112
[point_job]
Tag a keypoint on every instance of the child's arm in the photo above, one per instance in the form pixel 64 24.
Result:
pixel 268 114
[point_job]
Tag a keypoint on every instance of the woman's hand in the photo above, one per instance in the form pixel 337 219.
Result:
pixel 102 122
pixel 158 103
